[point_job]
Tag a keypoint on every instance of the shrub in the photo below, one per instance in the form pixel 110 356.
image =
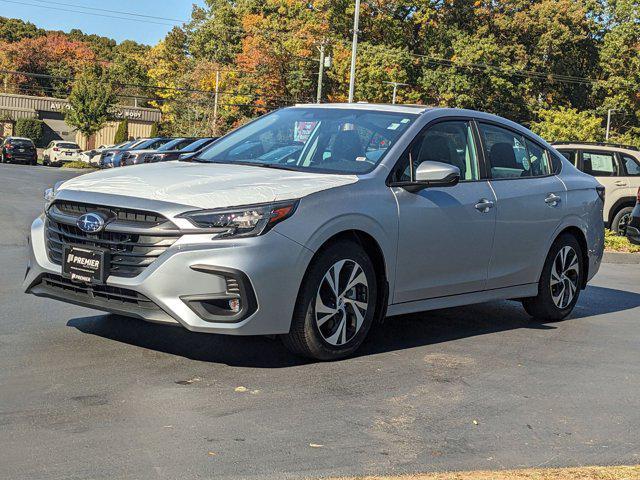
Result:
pixel 29 128
pixel 122 133
pixel 78 164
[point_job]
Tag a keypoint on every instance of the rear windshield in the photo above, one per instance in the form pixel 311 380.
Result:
pixel 20 142
pixel 68 145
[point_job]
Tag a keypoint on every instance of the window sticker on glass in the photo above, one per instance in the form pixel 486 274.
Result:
pixel 602 163
pixel 361 159
pixel 405 120
pixel 393 126
pixel 303 131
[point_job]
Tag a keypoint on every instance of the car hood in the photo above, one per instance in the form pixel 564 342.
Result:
pixel 206 185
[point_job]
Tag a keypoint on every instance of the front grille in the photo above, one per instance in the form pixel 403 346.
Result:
pixel 113 295
pixel 144 236
pixel 141 218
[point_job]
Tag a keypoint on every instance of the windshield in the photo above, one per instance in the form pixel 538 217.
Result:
pixel 175 144
pixel 197 145
pixel 332 140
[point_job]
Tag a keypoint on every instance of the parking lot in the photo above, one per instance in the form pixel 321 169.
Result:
pixel 88 395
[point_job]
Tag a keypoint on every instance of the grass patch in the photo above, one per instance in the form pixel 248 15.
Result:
pixel 78 164
pixel 579 473
pixel 616 243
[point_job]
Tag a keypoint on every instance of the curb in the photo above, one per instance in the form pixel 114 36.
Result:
pixel 621 258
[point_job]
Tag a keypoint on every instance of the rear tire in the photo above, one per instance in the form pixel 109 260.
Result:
pixel 331 321
pixel 621 220
pixel 560 282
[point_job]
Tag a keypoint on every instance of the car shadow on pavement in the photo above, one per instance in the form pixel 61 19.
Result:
pixel 397 333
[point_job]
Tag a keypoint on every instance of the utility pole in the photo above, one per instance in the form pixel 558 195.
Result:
pixel 354 51
pixel 321 70
pixel 606 137
pixel 395 89
pixel 215 104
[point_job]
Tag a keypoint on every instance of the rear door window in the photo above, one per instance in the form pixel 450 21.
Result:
pixel 631 165
pixel 599 164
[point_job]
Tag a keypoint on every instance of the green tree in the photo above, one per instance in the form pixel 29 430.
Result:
pixel 568 124
pixel 122 132
pixel 154 130
pixel 29 128
pixel 91 100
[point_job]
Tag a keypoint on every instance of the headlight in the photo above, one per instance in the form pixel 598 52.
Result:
pixel 50 193
pixel 249 221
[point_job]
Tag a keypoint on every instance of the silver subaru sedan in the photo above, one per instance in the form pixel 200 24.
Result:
pixel 314 222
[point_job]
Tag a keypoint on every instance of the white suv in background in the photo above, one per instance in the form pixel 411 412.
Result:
pixel 617 168
pixel 59 152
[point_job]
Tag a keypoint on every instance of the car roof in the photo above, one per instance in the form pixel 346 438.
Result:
pixel 18 138
pixel 376 107
pixel 609 147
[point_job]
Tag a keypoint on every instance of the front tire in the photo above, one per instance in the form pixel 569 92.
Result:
pixel 336 305
pixel 560 281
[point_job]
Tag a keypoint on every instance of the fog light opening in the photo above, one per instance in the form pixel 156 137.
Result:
pixel 234 305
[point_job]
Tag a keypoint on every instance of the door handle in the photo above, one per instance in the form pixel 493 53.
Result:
pixel 484 205
pixel 552 200
pixel 621 183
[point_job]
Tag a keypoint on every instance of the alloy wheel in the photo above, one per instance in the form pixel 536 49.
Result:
pixel 341 302
pixel 622 224
pixel 565 274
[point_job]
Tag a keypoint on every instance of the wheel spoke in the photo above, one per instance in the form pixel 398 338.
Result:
pixel 558 297
pixel 358 313
pixel 338 334
pixel 357 277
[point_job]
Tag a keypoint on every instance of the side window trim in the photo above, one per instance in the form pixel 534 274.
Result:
pixel 418 137
pixel 514 132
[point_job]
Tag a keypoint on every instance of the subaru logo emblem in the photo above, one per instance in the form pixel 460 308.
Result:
pixel 91 223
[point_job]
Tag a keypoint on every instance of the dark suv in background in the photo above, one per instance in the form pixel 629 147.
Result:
pixel 18 149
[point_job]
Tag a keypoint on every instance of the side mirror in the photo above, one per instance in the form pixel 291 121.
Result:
pixel 432 174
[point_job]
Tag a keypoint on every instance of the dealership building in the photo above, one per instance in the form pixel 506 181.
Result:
pixel 51 112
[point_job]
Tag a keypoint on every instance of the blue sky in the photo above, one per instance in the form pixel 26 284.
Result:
pixel 64 15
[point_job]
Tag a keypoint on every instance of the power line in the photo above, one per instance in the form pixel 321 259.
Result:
pixel 120 12
pixel 86 13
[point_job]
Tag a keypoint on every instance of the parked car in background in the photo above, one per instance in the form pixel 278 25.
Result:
pixel 617 167
pixel 107 156
pixel 18 150
pixel 148 144
pixel 633 228
pixel 136 157
pixel 59 152
pixel 92 156
pixel 192 149
pixel 385 210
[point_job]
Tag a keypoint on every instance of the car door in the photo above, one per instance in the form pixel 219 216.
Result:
pixel 605 167
pixel 445 234
pixel 631 169
pixel 529 206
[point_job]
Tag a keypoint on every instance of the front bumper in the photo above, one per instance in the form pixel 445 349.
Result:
pixel 268 271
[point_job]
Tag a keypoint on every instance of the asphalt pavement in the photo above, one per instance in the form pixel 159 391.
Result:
pixel 84 395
